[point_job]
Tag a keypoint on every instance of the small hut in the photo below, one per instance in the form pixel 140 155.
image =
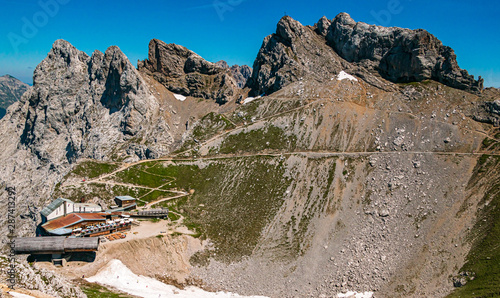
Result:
pixel 125 202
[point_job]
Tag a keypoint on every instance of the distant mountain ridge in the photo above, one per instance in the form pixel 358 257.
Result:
pixel 11 90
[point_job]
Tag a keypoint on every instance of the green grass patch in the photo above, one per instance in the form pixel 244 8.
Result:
pixel 173 216
pixel 484 257
pixel 93 169
pixel 194 227
pixel 231 213
pixel 487 142
pixel 271 137
pixel 155 195
pixel 418 84
pixel 209 126
pixel 93 290
pixel 264 107
pixel 140 177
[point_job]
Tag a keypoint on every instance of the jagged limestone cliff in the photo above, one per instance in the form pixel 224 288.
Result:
pixel 184 72
pixel 395 54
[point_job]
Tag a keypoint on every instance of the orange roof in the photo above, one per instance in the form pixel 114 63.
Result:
pixel 72 219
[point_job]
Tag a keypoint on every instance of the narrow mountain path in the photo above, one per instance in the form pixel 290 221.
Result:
pixel 177 156
pixel 160 188
pixel 147 206
pixel 317 101
pixel 275 154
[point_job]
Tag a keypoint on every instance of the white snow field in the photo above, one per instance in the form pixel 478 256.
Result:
pixel 180 97
pixel 344 75
pixel 250 99
pixel 117 275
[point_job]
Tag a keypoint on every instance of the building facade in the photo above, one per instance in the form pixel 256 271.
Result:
pixel 62 207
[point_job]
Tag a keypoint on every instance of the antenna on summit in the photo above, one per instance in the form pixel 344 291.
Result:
pixel 285 14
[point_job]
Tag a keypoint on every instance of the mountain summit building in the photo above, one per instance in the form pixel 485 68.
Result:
pixel 62 207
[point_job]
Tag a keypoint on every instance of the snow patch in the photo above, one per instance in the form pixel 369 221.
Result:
pixel 117 275
pixel 344 75
pixel 250 99
pixel 352 294
pixel 180 97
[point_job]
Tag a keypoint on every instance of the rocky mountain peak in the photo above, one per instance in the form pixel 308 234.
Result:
pixel 289 28
pixel 62 50
pixel 322 26
pixel 184 72
pixel 64 57
pixel 239 73
pixel 75 98
pixel 395 54
pixel 65 49
pixel 291 53
pixel 222 64
pixel 122 80
pixel 344 19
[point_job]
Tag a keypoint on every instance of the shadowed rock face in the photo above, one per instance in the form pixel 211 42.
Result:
pixel 370 52
pixel 488 109
pixel 183 71
pixel 241 74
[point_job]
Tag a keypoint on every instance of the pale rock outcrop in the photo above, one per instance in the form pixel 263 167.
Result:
pixel 88 105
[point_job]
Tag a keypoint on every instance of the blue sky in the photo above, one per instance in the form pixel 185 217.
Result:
pixel 231 30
